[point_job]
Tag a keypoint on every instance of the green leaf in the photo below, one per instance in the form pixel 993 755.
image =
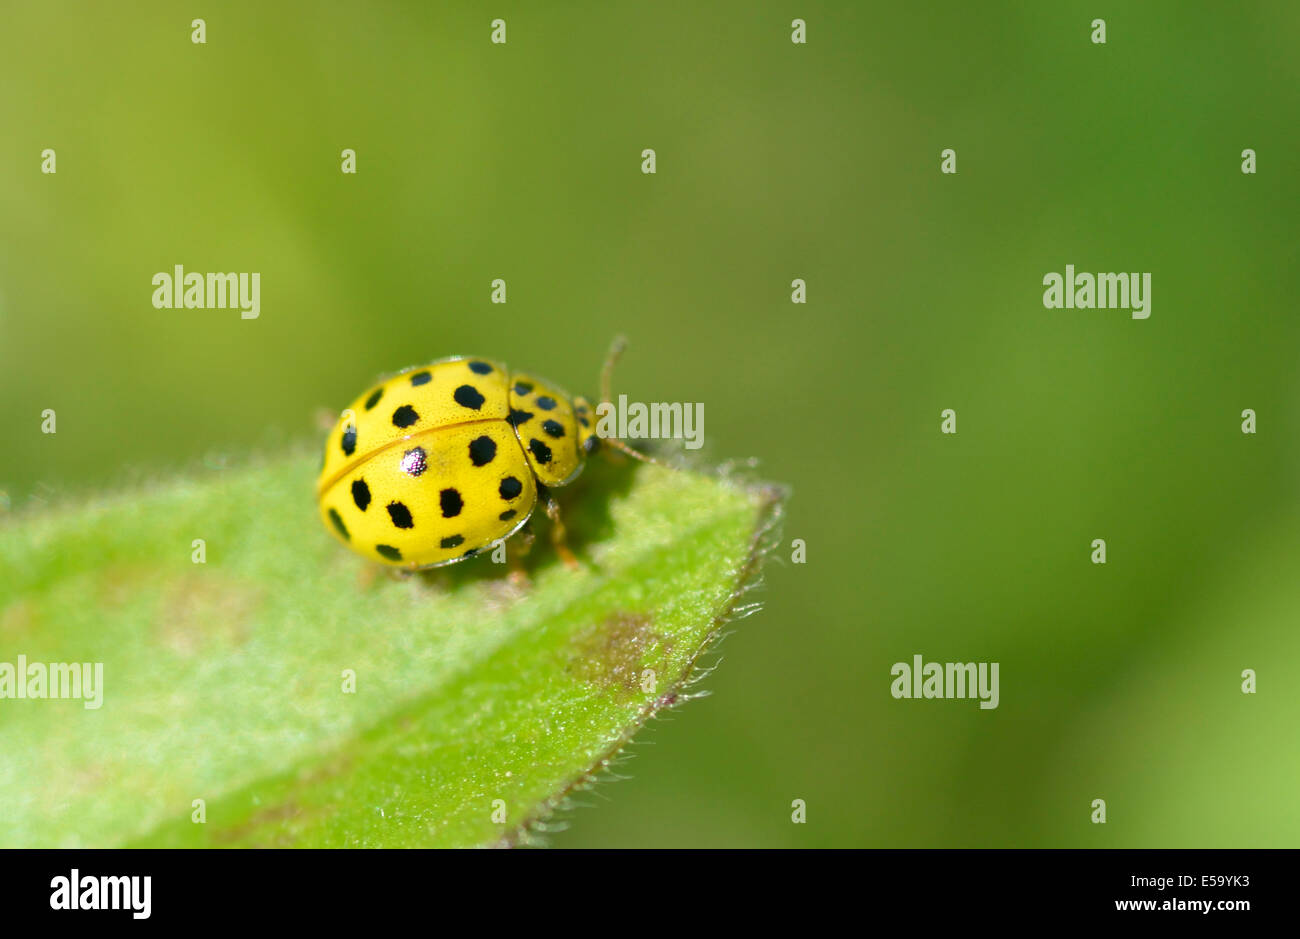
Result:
pixel 480 702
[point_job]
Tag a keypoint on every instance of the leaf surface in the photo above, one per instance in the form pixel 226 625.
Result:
pixel 479 703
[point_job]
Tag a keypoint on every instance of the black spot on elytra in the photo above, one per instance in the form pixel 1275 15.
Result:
pixel 400 515
pixel 420 378
pixel 389 552
pixel 518 417
pixel 482 450
pixel 553 429
pixel 451 502
pixel 342 529
pixel 540 450
pixel 584 422
pixel 480 368
pixel 522 388
pixel 546 403
pixel 467 396
pixel 507 515
pixel 470 553
pixel 361 494
pixel 349 439
pixel 453 541
pixel 510 488
pixel 374 398
pixel 405 416
pixel 415 461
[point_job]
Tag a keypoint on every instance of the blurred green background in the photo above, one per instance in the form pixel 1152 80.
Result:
pixel 775 161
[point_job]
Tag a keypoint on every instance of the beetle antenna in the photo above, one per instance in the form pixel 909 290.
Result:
pixel 621 447
pixel 606 375
pixel 611 359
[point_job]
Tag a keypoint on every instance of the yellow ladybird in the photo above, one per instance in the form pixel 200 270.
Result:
pixel 442 461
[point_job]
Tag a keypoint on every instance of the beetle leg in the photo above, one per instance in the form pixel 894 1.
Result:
pixel 517 549
pixel 558 534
